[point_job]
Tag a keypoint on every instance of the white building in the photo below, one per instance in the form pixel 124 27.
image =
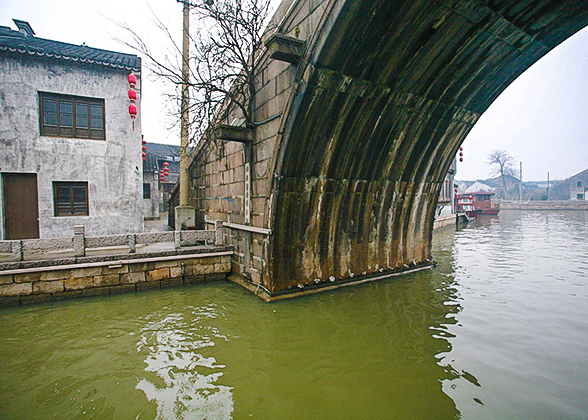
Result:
pixel 445 203
pixel 479 187
pixel 68 152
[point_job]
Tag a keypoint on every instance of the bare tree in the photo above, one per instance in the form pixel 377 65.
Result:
pixel 224 46
pixel 502 164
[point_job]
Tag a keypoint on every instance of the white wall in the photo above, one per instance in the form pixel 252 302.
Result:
pixel 151 206
pixel 112 168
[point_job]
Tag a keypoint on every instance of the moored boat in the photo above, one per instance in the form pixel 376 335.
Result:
pixel 464 204
pixel 482 202
pixel 476 204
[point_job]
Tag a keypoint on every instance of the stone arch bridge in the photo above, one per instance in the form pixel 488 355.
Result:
pixel 361 107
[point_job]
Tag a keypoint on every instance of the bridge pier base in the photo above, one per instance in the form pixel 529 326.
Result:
pixel 265 294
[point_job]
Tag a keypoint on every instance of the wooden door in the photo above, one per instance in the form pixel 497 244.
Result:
pixel 21 206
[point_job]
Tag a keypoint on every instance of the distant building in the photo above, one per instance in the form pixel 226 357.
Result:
pixel 156 193
pixel 445 202
pixel 578 190
pixel 68 152
pixel 573 188
pixel 445 214
pixel 479 186
pixel 512 186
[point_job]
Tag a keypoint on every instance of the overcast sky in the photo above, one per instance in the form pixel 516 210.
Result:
pixel 541 119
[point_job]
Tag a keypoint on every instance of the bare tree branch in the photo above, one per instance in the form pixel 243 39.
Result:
pixel 227 40
pixel 502 164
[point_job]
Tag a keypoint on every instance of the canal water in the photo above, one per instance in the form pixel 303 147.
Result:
pixel 498 330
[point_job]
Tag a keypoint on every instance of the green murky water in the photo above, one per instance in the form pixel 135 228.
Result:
pixel 497 331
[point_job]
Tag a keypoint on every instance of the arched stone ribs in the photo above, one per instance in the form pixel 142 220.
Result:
pixel 392 92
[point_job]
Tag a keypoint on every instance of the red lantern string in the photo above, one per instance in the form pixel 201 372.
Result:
pixel 133 97
pixel 144 149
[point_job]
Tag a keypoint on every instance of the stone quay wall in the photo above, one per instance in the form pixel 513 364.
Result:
pixel 446 220
pixel 43 284
pixel 545 205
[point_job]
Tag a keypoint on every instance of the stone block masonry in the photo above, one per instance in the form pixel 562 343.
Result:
pixel 44 284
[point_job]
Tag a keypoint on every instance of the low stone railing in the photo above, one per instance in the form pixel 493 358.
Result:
pixel 80 243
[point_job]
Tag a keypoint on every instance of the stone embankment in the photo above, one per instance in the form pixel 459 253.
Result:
pixel 445 220
pixel 544 205
pixel 110 276
pixel 41 270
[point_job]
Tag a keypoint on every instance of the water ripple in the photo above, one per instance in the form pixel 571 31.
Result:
pixel 186 384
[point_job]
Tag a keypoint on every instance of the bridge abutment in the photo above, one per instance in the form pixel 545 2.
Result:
pixel 352 141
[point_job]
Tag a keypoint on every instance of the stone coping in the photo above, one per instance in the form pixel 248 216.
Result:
pixel 102 260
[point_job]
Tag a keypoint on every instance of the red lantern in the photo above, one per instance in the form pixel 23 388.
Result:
pixel 132 80
pixel 144 155
pixel 133 113
pixel 165 164
pixel 144 148
pixel 461 149
pixel 461 159
pixel 132 95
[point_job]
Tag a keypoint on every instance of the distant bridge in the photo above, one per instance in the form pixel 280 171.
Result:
pixel 362 105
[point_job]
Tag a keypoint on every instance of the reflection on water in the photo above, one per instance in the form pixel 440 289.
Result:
pixel 522 282
pixel 496 331
pixel 185 383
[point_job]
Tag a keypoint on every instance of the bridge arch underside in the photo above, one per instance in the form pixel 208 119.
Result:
pixel 390 91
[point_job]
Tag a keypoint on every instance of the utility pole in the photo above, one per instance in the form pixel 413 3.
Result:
pixel 521 184
pixel 185 215
pixel 547 186
pixel 185 132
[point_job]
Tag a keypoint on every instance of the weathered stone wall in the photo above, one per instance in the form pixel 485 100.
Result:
pixel 151 205
pixel 44 284
pixel 445 220
pixel 112 168
pixel 218 173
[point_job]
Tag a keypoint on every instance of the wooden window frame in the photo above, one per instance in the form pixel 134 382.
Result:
pixel 70 208
pixel 76 130
pixel 146 191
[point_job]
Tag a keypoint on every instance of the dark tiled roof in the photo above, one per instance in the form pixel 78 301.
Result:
pixel 18 43
pixel 163 149
pixel 158 153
